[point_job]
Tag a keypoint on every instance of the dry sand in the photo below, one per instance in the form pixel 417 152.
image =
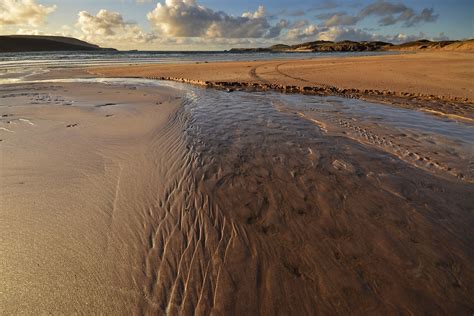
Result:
pixel 437 81
pixel 68 170
pixel 121 203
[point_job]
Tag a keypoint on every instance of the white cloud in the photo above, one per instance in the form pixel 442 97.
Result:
pixel 23 12
pixel 302 31
pixel 303 34
pixel 335 33
pixel 403 38
pixel 186 18
pixel 110 27
pixel 65 30
pixel 22 31
pixel 260 13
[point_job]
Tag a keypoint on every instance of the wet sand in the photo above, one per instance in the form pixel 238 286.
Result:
pixel 131 199
pixel 440 82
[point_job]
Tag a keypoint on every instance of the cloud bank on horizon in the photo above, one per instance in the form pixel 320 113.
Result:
pixel 188 24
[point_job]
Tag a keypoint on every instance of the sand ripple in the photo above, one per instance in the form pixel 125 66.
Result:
pixel 233 204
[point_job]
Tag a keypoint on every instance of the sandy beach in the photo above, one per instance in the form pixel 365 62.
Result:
pixel 67 171
pixel 434 81
pixel 182 200
pixel 201 157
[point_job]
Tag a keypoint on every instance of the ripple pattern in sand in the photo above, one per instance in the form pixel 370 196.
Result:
pixel 263 207
pixel 251 204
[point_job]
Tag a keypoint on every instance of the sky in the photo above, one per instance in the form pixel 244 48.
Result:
pixel 222 24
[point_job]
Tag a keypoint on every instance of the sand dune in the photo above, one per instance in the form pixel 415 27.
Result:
pixel 462 46
pixel 425 45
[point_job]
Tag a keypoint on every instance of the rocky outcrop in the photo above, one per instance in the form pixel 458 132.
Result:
pixel 231 86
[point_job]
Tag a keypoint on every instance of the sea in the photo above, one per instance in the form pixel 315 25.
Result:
pixel 13 63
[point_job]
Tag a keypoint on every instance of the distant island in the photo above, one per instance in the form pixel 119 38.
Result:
pixel 39 43
pixel 365 46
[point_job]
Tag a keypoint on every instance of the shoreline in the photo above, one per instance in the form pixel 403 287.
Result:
pixel 428 103
pixel 445 91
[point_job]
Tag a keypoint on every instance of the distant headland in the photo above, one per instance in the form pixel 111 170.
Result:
pixel 352 46
pixel 39 43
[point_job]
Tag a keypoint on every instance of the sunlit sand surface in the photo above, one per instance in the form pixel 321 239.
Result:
pixel 136 196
